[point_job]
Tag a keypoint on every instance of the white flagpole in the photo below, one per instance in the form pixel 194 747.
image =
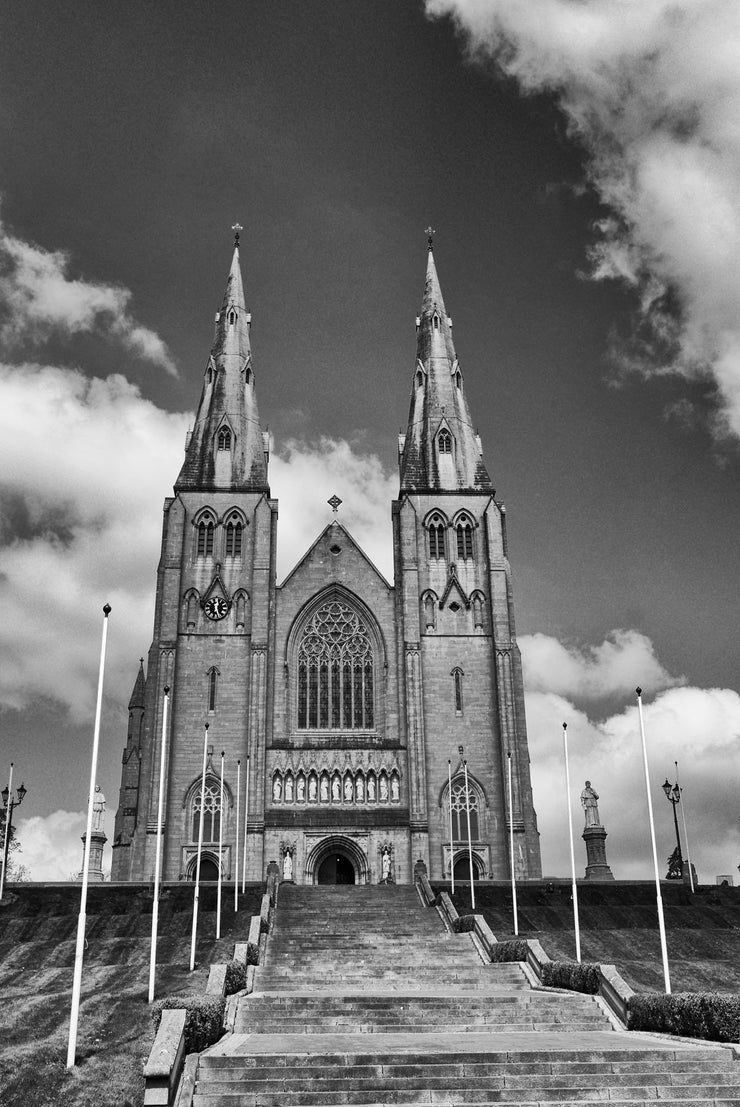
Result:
pixel 220 851
pixel 6 840
pixel 236 838
pixel 470 841
pixel 158 855
pixel 77 980
pixel 246 813
pixel 196 894
pixel 576 924
pixel 685 831
pixel 511 851
pixel 661 920
pixel 452 844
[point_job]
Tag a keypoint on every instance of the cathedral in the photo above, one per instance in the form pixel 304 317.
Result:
pixel 366 725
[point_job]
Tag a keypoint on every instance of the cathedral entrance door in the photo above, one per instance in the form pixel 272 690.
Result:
pixel 208 869
pixel 336 869
pixel 462 869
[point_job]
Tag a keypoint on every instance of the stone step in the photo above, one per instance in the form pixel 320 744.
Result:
pixel 225 1082
pixel 711 1096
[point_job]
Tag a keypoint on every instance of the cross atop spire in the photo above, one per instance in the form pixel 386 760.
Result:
pixel 430 233
pixel 236 229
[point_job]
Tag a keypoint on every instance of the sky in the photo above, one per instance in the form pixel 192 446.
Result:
pixel 580 162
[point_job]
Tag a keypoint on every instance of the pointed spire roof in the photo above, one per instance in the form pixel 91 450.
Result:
pixel 441 450
pixel 137 694
pixel 227 448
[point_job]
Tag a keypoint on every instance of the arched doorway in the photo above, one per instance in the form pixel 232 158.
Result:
pixel 335 869
pixel 462 867
pixel 208 869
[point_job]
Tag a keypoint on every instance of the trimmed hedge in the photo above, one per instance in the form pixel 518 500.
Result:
pixel 515 950
pixel 236 977
pixel 583 977
pixel 691 1014
pixel 464 924
pixel 204 1019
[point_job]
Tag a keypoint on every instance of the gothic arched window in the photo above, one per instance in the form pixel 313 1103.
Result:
pixel 460 802
pixel 464 540
pixel 336 671
pixel 437 539
pixel 457 676
pixel 205 531
pixel 444 442
pixel 234 531
pixel 212 687
pixel 224 439
pixel 211 812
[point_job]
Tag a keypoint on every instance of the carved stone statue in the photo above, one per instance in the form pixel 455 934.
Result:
pixel 383 789
pixel 360 789
pixel 336 793
pixel 395 789
pixel 348 789
pixel 312 789
pixel 386 861
pixel 324 789
pixel 301 789
pixel 277 789
pixel 98 809
pixel 371 789
pixel 589 802
pixel 287 865
pixel 289 788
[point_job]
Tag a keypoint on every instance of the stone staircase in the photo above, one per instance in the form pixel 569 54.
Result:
pixel 366 999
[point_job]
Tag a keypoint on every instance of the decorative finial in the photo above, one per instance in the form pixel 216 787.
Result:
pixel 236 229
pixel 334 503
pixel 430 233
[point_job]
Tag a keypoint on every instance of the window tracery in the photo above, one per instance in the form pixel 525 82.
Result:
pixel 460 802
pixel 464 539
pixel 224 439
pixel 205 530
pixel 234 532
pixel 335 786
pixel 336 671
pixel 211 812
pixel 444 442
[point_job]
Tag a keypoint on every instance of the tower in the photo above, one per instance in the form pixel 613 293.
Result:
pixel 342 695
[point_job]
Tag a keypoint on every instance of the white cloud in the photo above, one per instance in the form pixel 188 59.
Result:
pixel 51 848
pixel 38 299
pixel 623 660
pixel 652 89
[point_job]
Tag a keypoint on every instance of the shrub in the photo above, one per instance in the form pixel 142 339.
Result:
pixel 236 977
pixel 203 1021
pixel 691 1014
pixel 253 953
pixel 583 977
pixel 509 951
pixel 464 924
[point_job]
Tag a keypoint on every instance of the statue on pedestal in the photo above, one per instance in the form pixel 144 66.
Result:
pixel 590 804
pixel 594 835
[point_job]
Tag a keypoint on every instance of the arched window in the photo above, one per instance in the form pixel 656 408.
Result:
pixel 437 539
pixel 335 671
pixel 205 532
pixel 232 317
pixel 212 687
pixel 419 378
pixel 457 676
pixel 234 531
pixel 477 602
pixel 211 812
pixel 460 803
pixel 444 442
pixel 464 540
pixel 224 439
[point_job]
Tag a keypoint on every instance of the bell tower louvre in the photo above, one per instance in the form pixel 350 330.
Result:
pixel 351 697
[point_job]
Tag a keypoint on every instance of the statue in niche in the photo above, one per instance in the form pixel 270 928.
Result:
pixel 324 789
pixel 371 789
pixel 360 789
pixel 312 789
pixel 277 789
pixel 348 789
pixel 395 789
pixel 590 804
pixel 289 789
pixel 98 809
pixel 386 863
pixel 383 792
pixel 300 789
pixel 288 865
pixel 336 792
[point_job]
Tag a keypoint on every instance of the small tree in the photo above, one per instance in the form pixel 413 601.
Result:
pixel 675 866
pixel 15 871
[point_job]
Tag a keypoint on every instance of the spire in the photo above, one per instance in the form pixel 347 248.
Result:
pixel 226 448
pixel 440 451
pixel 137 694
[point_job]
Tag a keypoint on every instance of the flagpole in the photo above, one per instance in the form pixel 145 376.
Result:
pixel 470 841
pixel 576 924
pixel 236 839
pixel 685 831
pixel 452 844
pixel 6 839
pixel 246 813
pixel 511 851
pixel 158 855
pixel 196 894
pixel 220 851
pixel 77 979
pixel 661 920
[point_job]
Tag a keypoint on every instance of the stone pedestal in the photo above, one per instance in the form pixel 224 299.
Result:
pixel 596 866
pixel 97 842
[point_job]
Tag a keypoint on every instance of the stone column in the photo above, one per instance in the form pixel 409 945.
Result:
pixel 596 866
pixel 97 842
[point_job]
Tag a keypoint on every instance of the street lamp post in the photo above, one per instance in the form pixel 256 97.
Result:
pixel 9 808
pixel 673 795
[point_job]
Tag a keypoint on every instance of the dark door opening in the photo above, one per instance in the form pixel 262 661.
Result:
pixel 462 870
pixel 336 869
pixel 208 869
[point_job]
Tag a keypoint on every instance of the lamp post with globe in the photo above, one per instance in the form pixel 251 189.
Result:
pixel 9 807
pixel 675 863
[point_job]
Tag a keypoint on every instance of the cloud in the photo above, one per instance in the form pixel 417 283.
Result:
pixel 624 659
pixel 698 727
pixel 652 92
pixel 50 845
pixel 39 299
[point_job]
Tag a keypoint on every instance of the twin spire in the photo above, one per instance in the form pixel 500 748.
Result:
pixel 227 449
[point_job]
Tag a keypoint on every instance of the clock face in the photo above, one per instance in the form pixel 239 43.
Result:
pixel 216 607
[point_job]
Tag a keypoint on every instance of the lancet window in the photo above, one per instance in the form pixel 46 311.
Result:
pixel 437 539
pixel 464 540
pixel 457 676
pixel 224 439
pixel 463 800
pixel 336 671
pixel 212 688
pixel 204 541
pixel 211 812
pixel 444 442
pixel 234 532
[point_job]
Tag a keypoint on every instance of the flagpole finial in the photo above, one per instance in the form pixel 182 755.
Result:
pixel 107 610
pixel 565 726
pixel 166 689
pixel 639 691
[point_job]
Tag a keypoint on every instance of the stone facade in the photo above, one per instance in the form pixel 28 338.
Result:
pixel 344 697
